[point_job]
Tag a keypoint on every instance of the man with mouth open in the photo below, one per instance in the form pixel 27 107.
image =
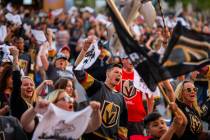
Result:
pixel 113 108
pixel 133 98
pixel 58 68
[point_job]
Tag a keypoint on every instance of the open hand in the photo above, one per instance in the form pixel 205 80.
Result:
pixel 4 110
pixel 48 82
pixel 87 42
pixel 41 106
pixel 177 121
pixel 95 105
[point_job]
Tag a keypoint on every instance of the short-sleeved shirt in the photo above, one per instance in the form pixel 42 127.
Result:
pixel 25 62
pixel 194 126
pixel 54 73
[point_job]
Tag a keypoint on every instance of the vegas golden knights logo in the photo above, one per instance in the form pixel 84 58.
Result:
pixel 128 89
pixel 195 124
pixel 204 110
pixel 110 114
pixel 189 51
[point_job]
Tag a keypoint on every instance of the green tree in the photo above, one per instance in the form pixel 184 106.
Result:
pixel 83 3
pixel 171 3
pixel 197 4
pixel 203 4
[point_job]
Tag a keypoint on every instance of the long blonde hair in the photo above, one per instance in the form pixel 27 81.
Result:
pixel 179 95
pixel 29 101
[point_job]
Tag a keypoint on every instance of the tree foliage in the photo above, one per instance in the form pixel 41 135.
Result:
pixel 197 4
pixel 203 4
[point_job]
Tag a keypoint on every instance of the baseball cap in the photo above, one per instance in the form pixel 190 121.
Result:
pixel 61 56
pixel 123 56
pixel 65 48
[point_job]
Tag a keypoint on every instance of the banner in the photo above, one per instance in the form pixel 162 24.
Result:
pixel 39 36
pixel 16 19
pixel 3 33
pixel 60 124
pixel 90 57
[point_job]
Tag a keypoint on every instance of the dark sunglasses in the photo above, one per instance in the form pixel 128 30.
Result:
pixel 189 90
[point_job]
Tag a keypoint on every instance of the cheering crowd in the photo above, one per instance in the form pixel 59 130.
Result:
pixel 48 69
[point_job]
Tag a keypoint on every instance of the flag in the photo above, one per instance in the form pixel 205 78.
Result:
pixel 9 7
pixel 39 36
pixel 57 12
pixel 140 85
pixel 144 60
pixel 187 51
pixel 6 53
pixel 60 124
pixel 3 33
pixel 16 19
pixel 152 67
pixel 90 57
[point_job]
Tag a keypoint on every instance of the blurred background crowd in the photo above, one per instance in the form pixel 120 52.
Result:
pixel 44 38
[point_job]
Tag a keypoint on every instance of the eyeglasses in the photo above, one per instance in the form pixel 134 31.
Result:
pixel 189 90
pixel 67 99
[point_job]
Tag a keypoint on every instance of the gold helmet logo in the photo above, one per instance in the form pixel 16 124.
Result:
pixel 195 124
pixel 110 114
pixel 128 89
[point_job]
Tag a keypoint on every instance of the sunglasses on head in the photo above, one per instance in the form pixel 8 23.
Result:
pixel 67 99
pixel 189 90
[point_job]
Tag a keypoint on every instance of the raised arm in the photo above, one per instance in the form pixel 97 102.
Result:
pixel 28 117
pixel 43 85
pixel 17 104
pixel 178 125
pixel 50 36
pixel 181 118
pixel 182 127
pixel 169 90
pixel 80 75
pixel 172 129
pixel 150 103
pixel 86 44
pixel 43 56
pixel 16 76
pixel 95 121
pixel 28 120
pixel 87 81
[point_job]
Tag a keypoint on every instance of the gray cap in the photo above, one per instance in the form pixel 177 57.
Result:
pixel 61 56
pixel 123 56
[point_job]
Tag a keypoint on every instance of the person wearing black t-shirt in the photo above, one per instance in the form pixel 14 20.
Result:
pixel 113 107
pixel 187 102
pixel 10 129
